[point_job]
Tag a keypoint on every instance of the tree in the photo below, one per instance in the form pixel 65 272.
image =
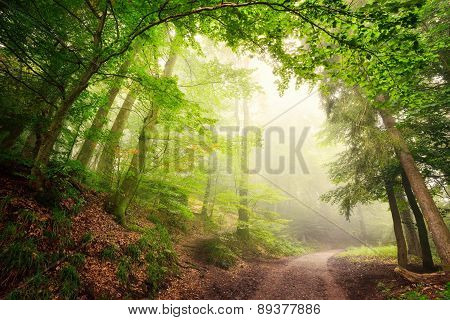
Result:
pixel 89 145
pixel 427 258
pixel 402 251
pixel 124 194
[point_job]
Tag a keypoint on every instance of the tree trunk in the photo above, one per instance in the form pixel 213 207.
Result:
pixel 56 125
pixel 207 195
pixel 129 185
pixel 100 119
pixel 243 230
pixel 427 258
pixel 106 163
pixel 412 240
pixel 402 256
pixel 123 196
pixel 436 224
pixel 362 225
pixel 11 137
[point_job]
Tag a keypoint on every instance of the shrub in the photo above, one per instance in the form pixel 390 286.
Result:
pixel 218 253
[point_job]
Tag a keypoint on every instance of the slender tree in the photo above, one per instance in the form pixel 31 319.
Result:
pixel 409 228
pixel 427 258
pixel 402 251
pixel 243 230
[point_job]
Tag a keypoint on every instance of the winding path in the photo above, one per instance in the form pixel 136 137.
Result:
pixel 302 278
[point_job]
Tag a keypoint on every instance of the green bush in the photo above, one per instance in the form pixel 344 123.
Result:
pixel 413 295
pixel 87 237
pixel 218 253
pixel 272 245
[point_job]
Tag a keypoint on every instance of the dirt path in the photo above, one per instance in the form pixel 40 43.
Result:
pixel 305 277
pixel 297 278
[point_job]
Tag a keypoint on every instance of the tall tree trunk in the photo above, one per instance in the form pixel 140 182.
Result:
pixel 427 258
pixel 100 119
pixel 56 125
pixel 402 255
pixel 106 163
pixel 123 196
pixel 213 202
pixel 207 195
pixel 243 230
pixel 412 240
pixel 436 224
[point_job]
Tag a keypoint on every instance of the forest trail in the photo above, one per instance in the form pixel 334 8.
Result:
pixel 295 278
pixel 302 278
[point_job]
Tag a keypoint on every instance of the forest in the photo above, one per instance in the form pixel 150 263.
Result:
pixel 209 149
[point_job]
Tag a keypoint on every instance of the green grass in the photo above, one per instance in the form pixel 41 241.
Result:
pixel 110 252
pixel 365 253
pixel 70 282
pixel 123 270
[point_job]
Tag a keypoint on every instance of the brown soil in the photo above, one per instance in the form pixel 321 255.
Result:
pixel 360 280
pixel 295 278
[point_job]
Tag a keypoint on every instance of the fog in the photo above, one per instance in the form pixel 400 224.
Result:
pixel 295 119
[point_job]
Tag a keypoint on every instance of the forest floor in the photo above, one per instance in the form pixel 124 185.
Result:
pixel 318 275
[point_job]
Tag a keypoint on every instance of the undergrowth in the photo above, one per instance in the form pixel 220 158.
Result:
pixel 225 250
